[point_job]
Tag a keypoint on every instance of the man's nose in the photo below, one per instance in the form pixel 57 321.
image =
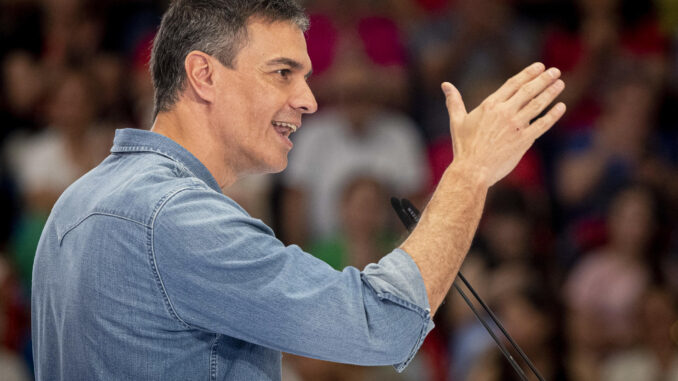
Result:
pixel 304 100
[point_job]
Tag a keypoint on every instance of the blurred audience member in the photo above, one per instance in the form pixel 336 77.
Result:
pixel 505 249
pixel 331 148
pixel 583 356
pixel 467 340
pixel 591 37
pixel 513 242
pixel 469 46
pixel 604 288
pixel 22 91
pixel 343 31
pixel 621 148
pixel 364 234
pixel 47 162
pixel 72 32
pixel 44 164
pixel 655 357
pixel 113 97
pixel 506 228
pixel 530 315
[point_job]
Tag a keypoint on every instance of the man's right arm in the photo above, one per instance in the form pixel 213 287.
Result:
pixel 488 143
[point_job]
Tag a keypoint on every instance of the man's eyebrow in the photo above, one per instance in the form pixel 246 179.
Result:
pixel 295 65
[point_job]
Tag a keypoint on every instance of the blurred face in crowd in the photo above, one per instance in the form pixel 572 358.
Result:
pixel 362 208
pixel 509 278
pixel 110 77
pixel 629 109
pixel 508 235
pixel 62 8
pixel 354 82
pixel 484 16
pixel 528 324
pixel 631 220
pixel 260 101
pixel 22 80
pixel 72 107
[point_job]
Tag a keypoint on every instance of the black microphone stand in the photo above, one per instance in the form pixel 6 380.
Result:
pixel 409 215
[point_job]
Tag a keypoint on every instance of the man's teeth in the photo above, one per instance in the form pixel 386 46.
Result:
pixel 288 125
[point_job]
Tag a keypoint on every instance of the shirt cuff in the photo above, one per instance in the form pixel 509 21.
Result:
pixel 397 278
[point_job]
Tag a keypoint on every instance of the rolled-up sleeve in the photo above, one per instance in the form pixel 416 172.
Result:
pixel 396 278
pixel 222 271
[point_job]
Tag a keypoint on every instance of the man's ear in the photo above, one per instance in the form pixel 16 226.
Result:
pixel 199 68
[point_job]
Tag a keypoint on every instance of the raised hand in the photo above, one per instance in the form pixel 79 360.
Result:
pixel 495 135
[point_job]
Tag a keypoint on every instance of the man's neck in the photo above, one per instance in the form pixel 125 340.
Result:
pixel 192 134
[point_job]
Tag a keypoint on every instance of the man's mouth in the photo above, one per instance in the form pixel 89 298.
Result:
pixel 284 128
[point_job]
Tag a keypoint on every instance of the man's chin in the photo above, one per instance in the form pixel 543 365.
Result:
pixel 276 167
pixel 275 170
pixel 267 165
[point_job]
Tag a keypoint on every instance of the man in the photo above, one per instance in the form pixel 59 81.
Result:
pixel 145 270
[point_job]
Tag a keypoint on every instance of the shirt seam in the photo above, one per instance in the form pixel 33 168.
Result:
pixel 213 358
pixel 139 149
pixel 152 258
pixel 422 335
pixel 424 312
pixel 68 229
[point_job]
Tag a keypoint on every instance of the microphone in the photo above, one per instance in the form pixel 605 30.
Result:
pixel 409 215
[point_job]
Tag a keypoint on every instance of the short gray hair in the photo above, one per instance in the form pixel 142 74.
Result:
pixel 215 27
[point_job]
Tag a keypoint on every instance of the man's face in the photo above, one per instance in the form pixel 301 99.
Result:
pixel 261 99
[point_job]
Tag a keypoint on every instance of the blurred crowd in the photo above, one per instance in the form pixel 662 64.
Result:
pixel 577 250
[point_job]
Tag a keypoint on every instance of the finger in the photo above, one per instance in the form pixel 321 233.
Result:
pixel 455 104
pixel 539 103
pixel 543 124
pixel 533 88
pixel 516 82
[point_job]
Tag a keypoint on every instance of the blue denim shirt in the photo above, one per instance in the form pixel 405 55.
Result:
pixel 146 271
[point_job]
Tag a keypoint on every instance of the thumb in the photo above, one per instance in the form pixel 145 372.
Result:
pixel 455 104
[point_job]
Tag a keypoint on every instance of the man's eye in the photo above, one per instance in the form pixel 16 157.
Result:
pixel 284 73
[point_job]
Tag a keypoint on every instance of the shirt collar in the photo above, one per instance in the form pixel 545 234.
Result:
pixel 130 140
